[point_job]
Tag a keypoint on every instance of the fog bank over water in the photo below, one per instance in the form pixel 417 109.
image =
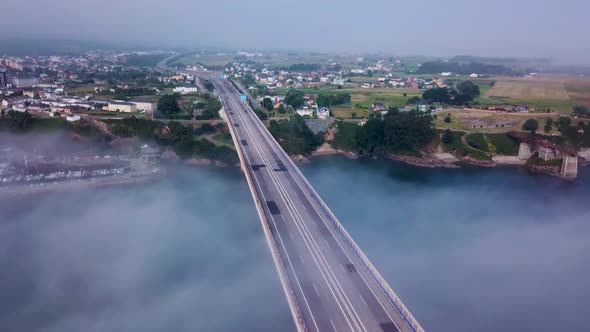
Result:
pixel 470 250
pixel 467 250
pixel 184 255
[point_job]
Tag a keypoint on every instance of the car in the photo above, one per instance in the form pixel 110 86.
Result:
pixel 351 267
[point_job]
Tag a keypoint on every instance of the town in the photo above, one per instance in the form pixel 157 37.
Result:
pixel 469 103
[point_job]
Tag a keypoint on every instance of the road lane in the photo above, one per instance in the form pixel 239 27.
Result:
pixel 317 255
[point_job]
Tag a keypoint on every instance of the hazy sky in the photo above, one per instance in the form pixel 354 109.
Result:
pixel 540 28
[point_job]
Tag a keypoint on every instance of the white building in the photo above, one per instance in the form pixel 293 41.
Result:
pixel 305 112
pixel 185 90
pixel 73 118
pixel 474 75
pixel 324 113
pixel 121 106
pixel 145 106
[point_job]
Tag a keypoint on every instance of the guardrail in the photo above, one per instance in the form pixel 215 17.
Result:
pixel 392 297
pixel 390 294
pixel 283 276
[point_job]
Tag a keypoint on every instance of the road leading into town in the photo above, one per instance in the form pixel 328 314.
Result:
pixel 329 283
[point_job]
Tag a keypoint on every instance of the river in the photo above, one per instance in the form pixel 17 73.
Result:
pixel 467 250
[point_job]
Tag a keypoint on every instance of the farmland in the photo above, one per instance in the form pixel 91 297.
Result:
pixel 521 89
pixel 472 120
pixel 557 93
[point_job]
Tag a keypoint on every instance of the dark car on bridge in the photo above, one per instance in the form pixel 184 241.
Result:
pixel 351 267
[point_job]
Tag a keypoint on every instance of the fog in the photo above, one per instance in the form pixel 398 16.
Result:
pixel 467 250
pixel 523 28
pixel 186 254
pixel 470 250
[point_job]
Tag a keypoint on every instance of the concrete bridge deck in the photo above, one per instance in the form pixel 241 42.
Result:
pixel 329 283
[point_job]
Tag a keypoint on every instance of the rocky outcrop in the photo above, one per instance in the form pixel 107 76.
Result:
pixel 424 160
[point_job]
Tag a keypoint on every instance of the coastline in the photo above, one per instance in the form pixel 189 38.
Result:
pixel 443 160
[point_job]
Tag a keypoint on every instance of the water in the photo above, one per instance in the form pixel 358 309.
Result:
pixel 467 250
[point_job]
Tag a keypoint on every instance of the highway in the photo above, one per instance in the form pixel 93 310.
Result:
pixel 329 284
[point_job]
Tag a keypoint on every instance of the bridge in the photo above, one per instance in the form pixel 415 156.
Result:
pixel 329 283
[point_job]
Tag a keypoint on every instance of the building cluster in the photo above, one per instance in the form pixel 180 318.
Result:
pixel 71 106
pixel 309 109
pixel 330 74
pixel 109 82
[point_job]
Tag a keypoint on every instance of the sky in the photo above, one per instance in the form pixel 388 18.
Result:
pixel 521 28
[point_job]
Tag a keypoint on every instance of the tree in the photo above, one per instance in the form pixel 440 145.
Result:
pixel 437 95
pixel 168 104
pixel 2 113
pixel 581 111
pixel 414 100
pixel 531 125
pixel 548 125
pixel 294 98
pixel 353 115
pixel 448 119
pixel 211 111
pixel 267 104
pixel 325 100
pixel 447 137
pixel 294 135
pixel 407 131
pixel 563 124
pixel 468 88
pixel 261 114
pixel 20 121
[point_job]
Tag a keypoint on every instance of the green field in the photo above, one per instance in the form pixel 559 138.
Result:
pixel 493 143
pixel 459 148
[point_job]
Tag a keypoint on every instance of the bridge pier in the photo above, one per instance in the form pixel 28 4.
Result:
pixel 524 151
pixel 569 167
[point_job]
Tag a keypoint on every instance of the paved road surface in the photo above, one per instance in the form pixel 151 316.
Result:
pixel 333 289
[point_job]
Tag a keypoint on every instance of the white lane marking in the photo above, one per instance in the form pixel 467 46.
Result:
pixel 302 261
pixel 363 300
pixel 294 213
pixel 343 269
pixel 316 289
pixel 256 181
pixel 291 235
pixel 327 244
pixel 333 326
pixel 329 225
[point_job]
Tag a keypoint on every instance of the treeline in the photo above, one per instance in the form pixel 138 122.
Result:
pixel 168 107
pixel 461 94
pixel 435 67
pixel 182 139
pixel 395 132
pixel 124 94
pixel 303 67
pixel 15 121
pixel 149 60
pixel 325 100
pixel 295 136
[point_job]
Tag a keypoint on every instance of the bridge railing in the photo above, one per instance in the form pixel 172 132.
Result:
pixel 280 266
pixel 391 295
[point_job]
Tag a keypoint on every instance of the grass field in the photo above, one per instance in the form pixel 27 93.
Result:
pixel 553 90
pixel 487 121
pixel 459 148
pixel 344 112
pixel 493 143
